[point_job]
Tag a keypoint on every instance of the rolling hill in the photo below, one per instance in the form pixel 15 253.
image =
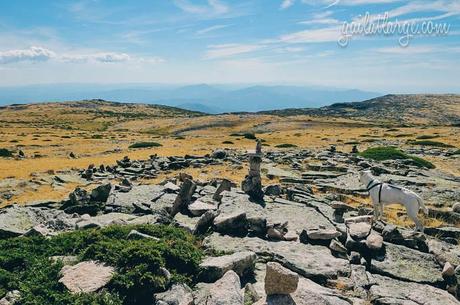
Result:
pixel 406 109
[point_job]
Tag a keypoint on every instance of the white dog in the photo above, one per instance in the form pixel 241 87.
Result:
pixel 384 194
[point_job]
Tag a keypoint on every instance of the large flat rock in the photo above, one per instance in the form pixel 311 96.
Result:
pixel 389 291
pixel 315 262
pixel 86 276
pixel 408 264
pixel 139 195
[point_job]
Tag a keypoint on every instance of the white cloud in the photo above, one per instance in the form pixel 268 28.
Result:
pixel 211 28
pixel 228 50
pixel 286 4
pixel 109 57
pixel 33 54
pixel 310 36
pixel 214 7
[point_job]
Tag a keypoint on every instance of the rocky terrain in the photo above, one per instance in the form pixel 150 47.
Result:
pixel 305 237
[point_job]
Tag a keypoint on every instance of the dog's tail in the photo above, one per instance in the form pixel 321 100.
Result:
pixel 422 205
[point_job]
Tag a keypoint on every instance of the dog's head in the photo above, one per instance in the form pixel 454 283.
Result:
pixel 364 176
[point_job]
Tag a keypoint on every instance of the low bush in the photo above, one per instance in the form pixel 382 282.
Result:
pixel 145 145
pixel 429 143
pixel 392 153
pixel 286 145
pixel 228 142
pixel 5 153
pixel 249 136
pixel 427 137
pixel 25 264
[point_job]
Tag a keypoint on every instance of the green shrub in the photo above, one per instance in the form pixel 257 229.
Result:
pixel 457 152
pixel 392 153
pixel 427 137
pixel 249 136
pixel 96 136
pixel 286 145
pixel 429 143
pixel 5 153
pixel 145 145
pixel 25 264
pixel 228 142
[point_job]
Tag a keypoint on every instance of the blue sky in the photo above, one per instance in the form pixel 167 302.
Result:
pixel 222 41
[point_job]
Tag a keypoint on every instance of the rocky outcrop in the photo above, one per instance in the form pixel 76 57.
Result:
pixel 226 291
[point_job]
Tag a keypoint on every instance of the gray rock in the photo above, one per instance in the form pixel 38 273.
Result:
pixel 11 298
pixel 140 194
pixel 309 293
pixel 322 234
pixel 205 222
pixel 279 280
pixel 178 294
pixel 219 154
pixel 225 185
pixel 456 207
pixel 213 268
pixel 408 264
pixel 232 224
pixel 226 291
pixel 389 291
pixel 448 270
pixel 184 197
pixel 101 193
pixel 86 277
pixel 273 190
pixel 198 208
pixel 359 227
pixel 444 252
pixel 310 261
pixel 374 241
pixel 170 187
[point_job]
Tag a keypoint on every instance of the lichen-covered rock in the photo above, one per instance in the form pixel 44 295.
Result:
pixel 86 276
pixel 408 264
pixel 279 280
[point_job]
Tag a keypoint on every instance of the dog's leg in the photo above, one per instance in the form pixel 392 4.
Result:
pixel 412 211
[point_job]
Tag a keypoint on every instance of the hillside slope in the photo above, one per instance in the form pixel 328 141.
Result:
pixel 423 109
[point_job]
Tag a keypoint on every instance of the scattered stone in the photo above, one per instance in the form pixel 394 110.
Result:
pixel 226 291
pixel 86 276
pixel 198 208
pixel 213 268
pixel 11 298
pixel 225 185
pixel 448 270
pixel 219 154
pixel 231 224
pixel 178 294
pixel 170 187
pixel 185 195
pixel 205 222
pixel 456 207
pixel 374 241
pixel 279 280
pixel 355 258
pixel 273 190
pixel 101 193
pixel 359 227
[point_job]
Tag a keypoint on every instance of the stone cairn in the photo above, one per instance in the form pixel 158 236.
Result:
pixel 252 183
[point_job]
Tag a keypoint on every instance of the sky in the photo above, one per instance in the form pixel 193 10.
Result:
pixel 395 46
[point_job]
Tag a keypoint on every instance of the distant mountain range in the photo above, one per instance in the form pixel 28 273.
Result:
pixel 202 97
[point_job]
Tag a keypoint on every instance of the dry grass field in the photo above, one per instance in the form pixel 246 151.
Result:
pixel 100 133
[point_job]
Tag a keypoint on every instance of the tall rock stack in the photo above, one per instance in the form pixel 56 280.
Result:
pixel 252 183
